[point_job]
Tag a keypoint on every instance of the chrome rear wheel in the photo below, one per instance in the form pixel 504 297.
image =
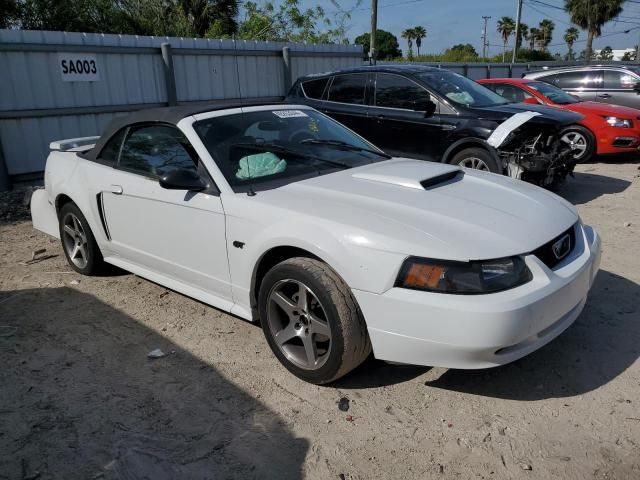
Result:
pixel 74 240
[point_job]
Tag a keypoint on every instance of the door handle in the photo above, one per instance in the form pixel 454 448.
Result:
pixel 604 95
pixel 116 189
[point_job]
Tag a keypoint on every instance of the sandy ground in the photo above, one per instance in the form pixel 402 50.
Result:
pixel 80 399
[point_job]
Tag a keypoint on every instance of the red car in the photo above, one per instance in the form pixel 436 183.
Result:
pixel 606 129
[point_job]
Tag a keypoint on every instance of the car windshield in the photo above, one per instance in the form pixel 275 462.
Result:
pixel 265 149
pixel 460 90
pixel 555 94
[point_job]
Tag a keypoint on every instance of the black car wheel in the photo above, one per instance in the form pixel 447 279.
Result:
pixel 581 141
pixel 476 158
pixel 311 320
pixel 78 243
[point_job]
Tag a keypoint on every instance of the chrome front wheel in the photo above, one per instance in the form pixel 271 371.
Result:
pixel 299 325
pixel 577 143
pixel 475 163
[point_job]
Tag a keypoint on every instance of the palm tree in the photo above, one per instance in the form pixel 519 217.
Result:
pixel 409 35
pixel 534 35
pixel 546 31
pixel 418 34
pixel 591 15
pixel 523 34
pixel 570 37
pixel 506 27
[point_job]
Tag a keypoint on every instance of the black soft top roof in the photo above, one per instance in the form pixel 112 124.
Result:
pixel 171 115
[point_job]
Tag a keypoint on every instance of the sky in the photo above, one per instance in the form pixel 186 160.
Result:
pixel 460 21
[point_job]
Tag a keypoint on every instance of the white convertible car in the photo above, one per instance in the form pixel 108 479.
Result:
pixel 279 214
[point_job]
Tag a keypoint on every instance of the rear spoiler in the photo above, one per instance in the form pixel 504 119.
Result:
pixel 76 144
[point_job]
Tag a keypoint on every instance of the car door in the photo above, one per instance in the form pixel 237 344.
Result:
pixel 176 233
pixel 397 118
pixel 346 102
pixel 584 84
pixel 618 89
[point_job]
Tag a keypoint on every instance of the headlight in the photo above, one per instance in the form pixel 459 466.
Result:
pixel 468 278
pixel 618 122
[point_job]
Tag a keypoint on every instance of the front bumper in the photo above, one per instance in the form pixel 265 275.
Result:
pixel 618 140
pixel 481 331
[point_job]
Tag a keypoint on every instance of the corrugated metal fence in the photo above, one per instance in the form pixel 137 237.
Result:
pixel 41 102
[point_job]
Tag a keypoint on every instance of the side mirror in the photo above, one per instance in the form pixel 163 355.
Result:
pixel 636 87
pixel 182 179
pixel 531 101
pixel 426 106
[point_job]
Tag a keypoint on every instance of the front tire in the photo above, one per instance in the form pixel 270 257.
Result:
pixel 477 159
pixel 311 320
pixel 581 141
pixel 78 243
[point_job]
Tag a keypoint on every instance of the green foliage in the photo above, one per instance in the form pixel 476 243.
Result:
pixel 506 28
pixel 629 56
pixel 418 34
pixel 571 35
pixel 193 18
pixel 591 15
pixel 9 13
pixel 528 55
pixel 288 22
pixel 386 45
pixel 546 28
pixel 606 54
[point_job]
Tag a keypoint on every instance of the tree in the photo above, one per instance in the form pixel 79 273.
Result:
pixel 289 23
pixel 202 14
pixel 387 46
pixel 523 34
pixel 506 27
pixel 409 35
pixel 418 34
pixel 462 52
pixel 570 37
pixel 629 56
pixel 546 28
pixel 606 54
pixel 534 36
pixel 591 15
pixel 9 13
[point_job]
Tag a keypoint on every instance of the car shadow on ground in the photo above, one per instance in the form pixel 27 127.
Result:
pixel 585 187
pixel 80 399
pixel 602 343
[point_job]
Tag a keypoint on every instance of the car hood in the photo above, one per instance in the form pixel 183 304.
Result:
pixel 598 108
pixel 428 209
pixel 550 116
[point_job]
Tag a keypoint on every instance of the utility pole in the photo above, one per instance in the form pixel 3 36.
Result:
pixel 374 29
pixel 484 38
pixel 517 42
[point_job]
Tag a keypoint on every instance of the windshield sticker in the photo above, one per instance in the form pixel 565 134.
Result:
pixel 289 113
pixel 503 130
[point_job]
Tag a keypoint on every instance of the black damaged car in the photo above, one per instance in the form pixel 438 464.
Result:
pixel 434 114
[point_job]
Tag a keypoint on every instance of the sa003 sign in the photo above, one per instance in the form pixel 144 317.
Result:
pixel 78 67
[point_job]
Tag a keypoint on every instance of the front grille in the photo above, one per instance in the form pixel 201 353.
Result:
pixel 546 254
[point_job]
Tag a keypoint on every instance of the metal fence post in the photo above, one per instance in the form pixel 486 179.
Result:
pixel 169 76
pixel 5 182
pixel 286 68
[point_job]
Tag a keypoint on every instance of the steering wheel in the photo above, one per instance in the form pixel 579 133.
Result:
pixel 301 135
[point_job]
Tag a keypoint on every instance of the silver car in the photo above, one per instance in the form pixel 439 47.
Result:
pixel 618 85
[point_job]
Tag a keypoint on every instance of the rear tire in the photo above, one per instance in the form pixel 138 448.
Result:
pixel 476 158
pixel 311 320
pixel 582 142
pixel 78 243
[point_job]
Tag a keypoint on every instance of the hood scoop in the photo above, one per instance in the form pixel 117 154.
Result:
pixel 419 175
